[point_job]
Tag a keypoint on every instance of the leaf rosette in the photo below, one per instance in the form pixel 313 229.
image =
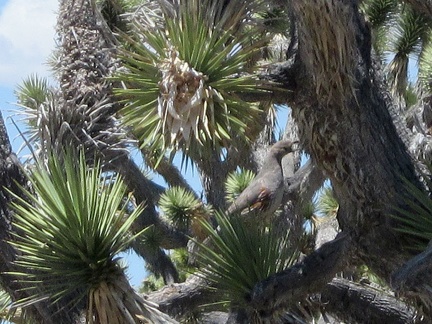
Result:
pixel 183 81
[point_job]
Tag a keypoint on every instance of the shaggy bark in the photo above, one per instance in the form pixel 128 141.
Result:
pixel 10 176
pixel 354 136
pixel 350 132
pixel 354 303
pixel 358 141
pixel 339 297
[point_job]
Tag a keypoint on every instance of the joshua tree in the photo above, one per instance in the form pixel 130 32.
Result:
pixel 206 81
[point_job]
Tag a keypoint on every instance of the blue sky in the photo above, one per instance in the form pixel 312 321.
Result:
pixel 26 40
pixel 27 37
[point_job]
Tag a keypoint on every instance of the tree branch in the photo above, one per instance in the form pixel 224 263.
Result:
pixel 306 181
pixel 283 73
pixel 346 124
pixel 310 275
pixel 178 300
pixel 346 300
pixel 273 93
pixel 414 278
pixel 147 192
pixel 168 171
pixel 353 303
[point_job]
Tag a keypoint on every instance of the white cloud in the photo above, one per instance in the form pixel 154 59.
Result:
pixel 27 32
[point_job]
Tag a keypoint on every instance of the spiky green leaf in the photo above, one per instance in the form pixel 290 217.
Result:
pixel 408 37
pixel 416 219
pixel 179 206
pixel 327 204
pixel 71 229
pixel 236 183
pixel 239 256
pixel 182 83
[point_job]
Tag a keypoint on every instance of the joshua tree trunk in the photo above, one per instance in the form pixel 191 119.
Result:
pixel 348 128
pixel 86 59
pixel 346 122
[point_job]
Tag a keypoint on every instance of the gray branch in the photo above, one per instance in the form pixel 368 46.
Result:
pixel 414 277
pixel 178 300
pixel 353 303
pixel 310 275
pixel 168 171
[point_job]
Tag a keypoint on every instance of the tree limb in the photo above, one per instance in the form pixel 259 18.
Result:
pixel 147 192
pixel 346 124
pixel 306 181
pixel 308 276
pixel 414 278
pixel 353 303
pixel 346 300
pixel 273 93
pixel 178 300
pixel 168 171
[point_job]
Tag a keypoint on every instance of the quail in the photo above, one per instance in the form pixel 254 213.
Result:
pixel 264 194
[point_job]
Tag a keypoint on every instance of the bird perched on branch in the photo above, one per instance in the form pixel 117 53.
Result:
pixel 265 192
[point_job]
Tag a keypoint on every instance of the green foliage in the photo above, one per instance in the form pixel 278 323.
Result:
pixel 425 67
pixel 180 259
pixel 409 32
pixel 71 229
pixel 239 256
pixel 5 302
pixel 309 210
pixel 403 33
pixel 407 39
pixel 112 10
pixel 151 238
pixel 275 20
pixel 33 92
pixel 411 96
pixel 380 14
pixel 9 313
pixel 179 206
pixel 182 81
pixel 416 219
pixel 236 183
pixel 151 283
pixel 327 204
pixel 366 273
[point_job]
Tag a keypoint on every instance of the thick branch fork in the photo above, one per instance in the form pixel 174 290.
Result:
pixel 308 276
